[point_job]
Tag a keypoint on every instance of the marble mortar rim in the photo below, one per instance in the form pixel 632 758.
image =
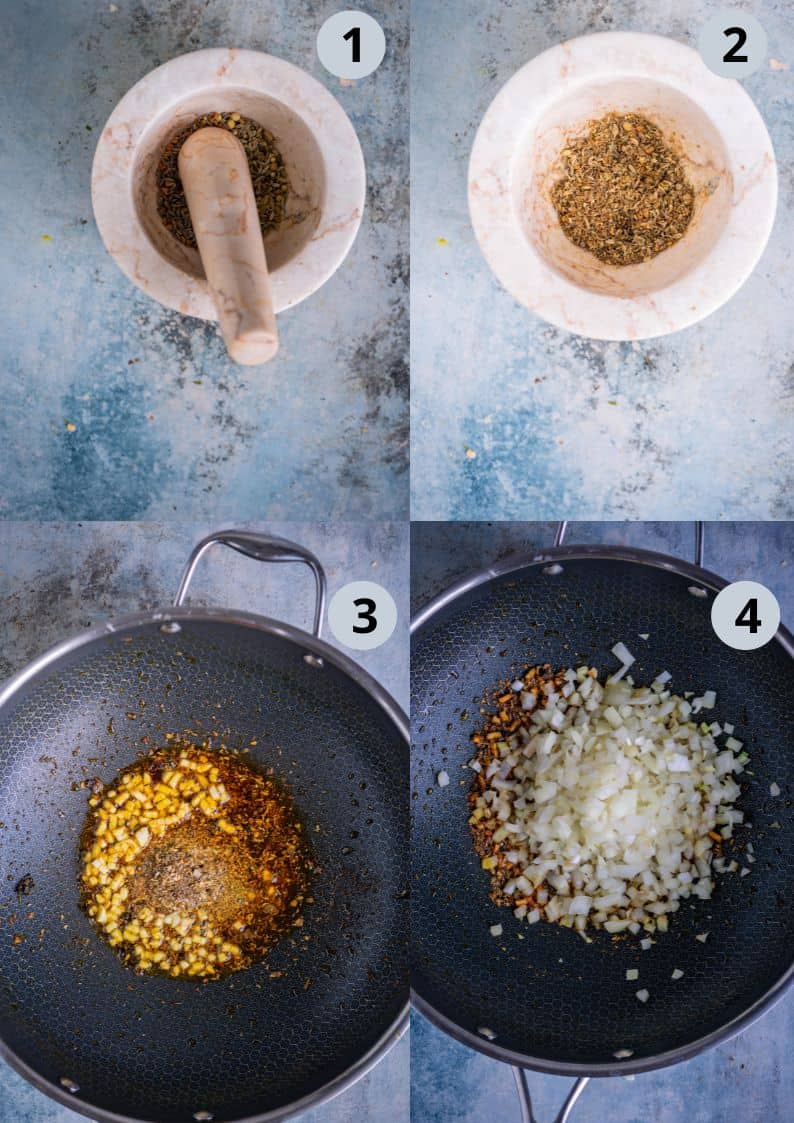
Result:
pixel 188 74
pixel 544 291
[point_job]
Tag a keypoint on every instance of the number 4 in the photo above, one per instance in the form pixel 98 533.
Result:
pixel 355 34
pixel 748 617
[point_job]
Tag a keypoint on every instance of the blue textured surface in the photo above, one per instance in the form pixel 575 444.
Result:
pixel 694 425
pixel 57 579
pixel 746 1080
pixel 164 421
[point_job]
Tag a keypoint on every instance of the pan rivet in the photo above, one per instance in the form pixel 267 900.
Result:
pixel 203 1116
pixel 69 1085
pixel 552 570
pixel 170 627
pixel 312 660
pixel 696 591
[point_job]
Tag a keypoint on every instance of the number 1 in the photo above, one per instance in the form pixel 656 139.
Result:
pixel 355 34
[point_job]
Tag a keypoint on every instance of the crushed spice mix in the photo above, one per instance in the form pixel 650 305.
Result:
pixel 193 863
pixel 503 714
pixel 268 175
pixel 624 196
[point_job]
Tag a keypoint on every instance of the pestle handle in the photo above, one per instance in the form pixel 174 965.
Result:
pixel 217 184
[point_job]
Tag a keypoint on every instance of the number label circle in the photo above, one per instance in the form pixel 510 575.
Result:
pixel 745 615
pixel 362 615
pixel 733 43
pixel 351 44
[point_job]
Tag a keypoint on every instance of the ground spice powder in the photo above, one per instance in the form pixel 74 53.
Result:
pixel 268 175
pixel 624 196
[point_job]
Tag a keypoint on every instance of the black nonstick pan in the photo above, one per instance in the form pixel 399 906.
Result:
pixel 549 1001
pixel 287 1033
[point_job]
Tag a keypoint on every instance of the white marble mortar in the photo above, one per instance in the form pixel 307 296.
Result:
pixel 515 160
pixel 313 133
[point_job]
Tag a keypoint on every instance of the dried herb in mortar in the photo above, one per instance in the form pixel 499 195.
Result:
pixel 624 196
pixel 268 175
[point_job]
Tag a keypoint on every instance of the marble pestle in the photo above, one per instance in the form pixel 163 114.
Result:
pixel 217 183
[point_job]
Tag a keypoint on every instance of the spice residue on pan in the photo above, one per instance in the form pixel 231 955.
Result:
pixel 602 804
pixel 193 863
pixel 624 196
pixel 268 175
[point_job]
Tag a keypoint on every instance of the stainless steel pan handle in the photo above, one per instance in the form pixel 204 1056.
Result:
pixel 699 536
pixel 528 1115
pixel 562 530
pixel 264 548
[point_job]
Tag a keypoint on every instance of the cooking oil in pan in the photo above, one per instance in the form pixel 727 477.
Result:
pixel 193 864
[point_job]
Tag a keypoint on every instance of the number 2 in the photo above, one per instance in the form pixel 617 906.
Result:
pixel 741 39
pixel 355 34
pixel 748 617
pixel 366 608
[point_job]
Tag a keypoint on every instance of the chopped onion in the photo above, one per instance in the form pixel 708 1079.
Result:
pixel 774 790
pixel 605 803
pixel 643 995
pixel 707 702
pixel 622 1054
pixel 703 936
pixel 677 973
pixel 442 779
pixel 632 974
pixel 621 652
pixel 496 929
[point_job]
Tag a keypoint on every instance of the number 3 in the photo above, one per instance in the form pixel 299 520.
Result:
pixel 741 39
pixel 366 608
pixel 355 34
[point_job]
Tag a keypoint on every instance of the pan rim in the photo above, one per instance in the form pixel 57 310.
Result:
pixel 118 625
pixel 619 1068
pixel 307 643
pixel 515 562
pixel 323 1095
